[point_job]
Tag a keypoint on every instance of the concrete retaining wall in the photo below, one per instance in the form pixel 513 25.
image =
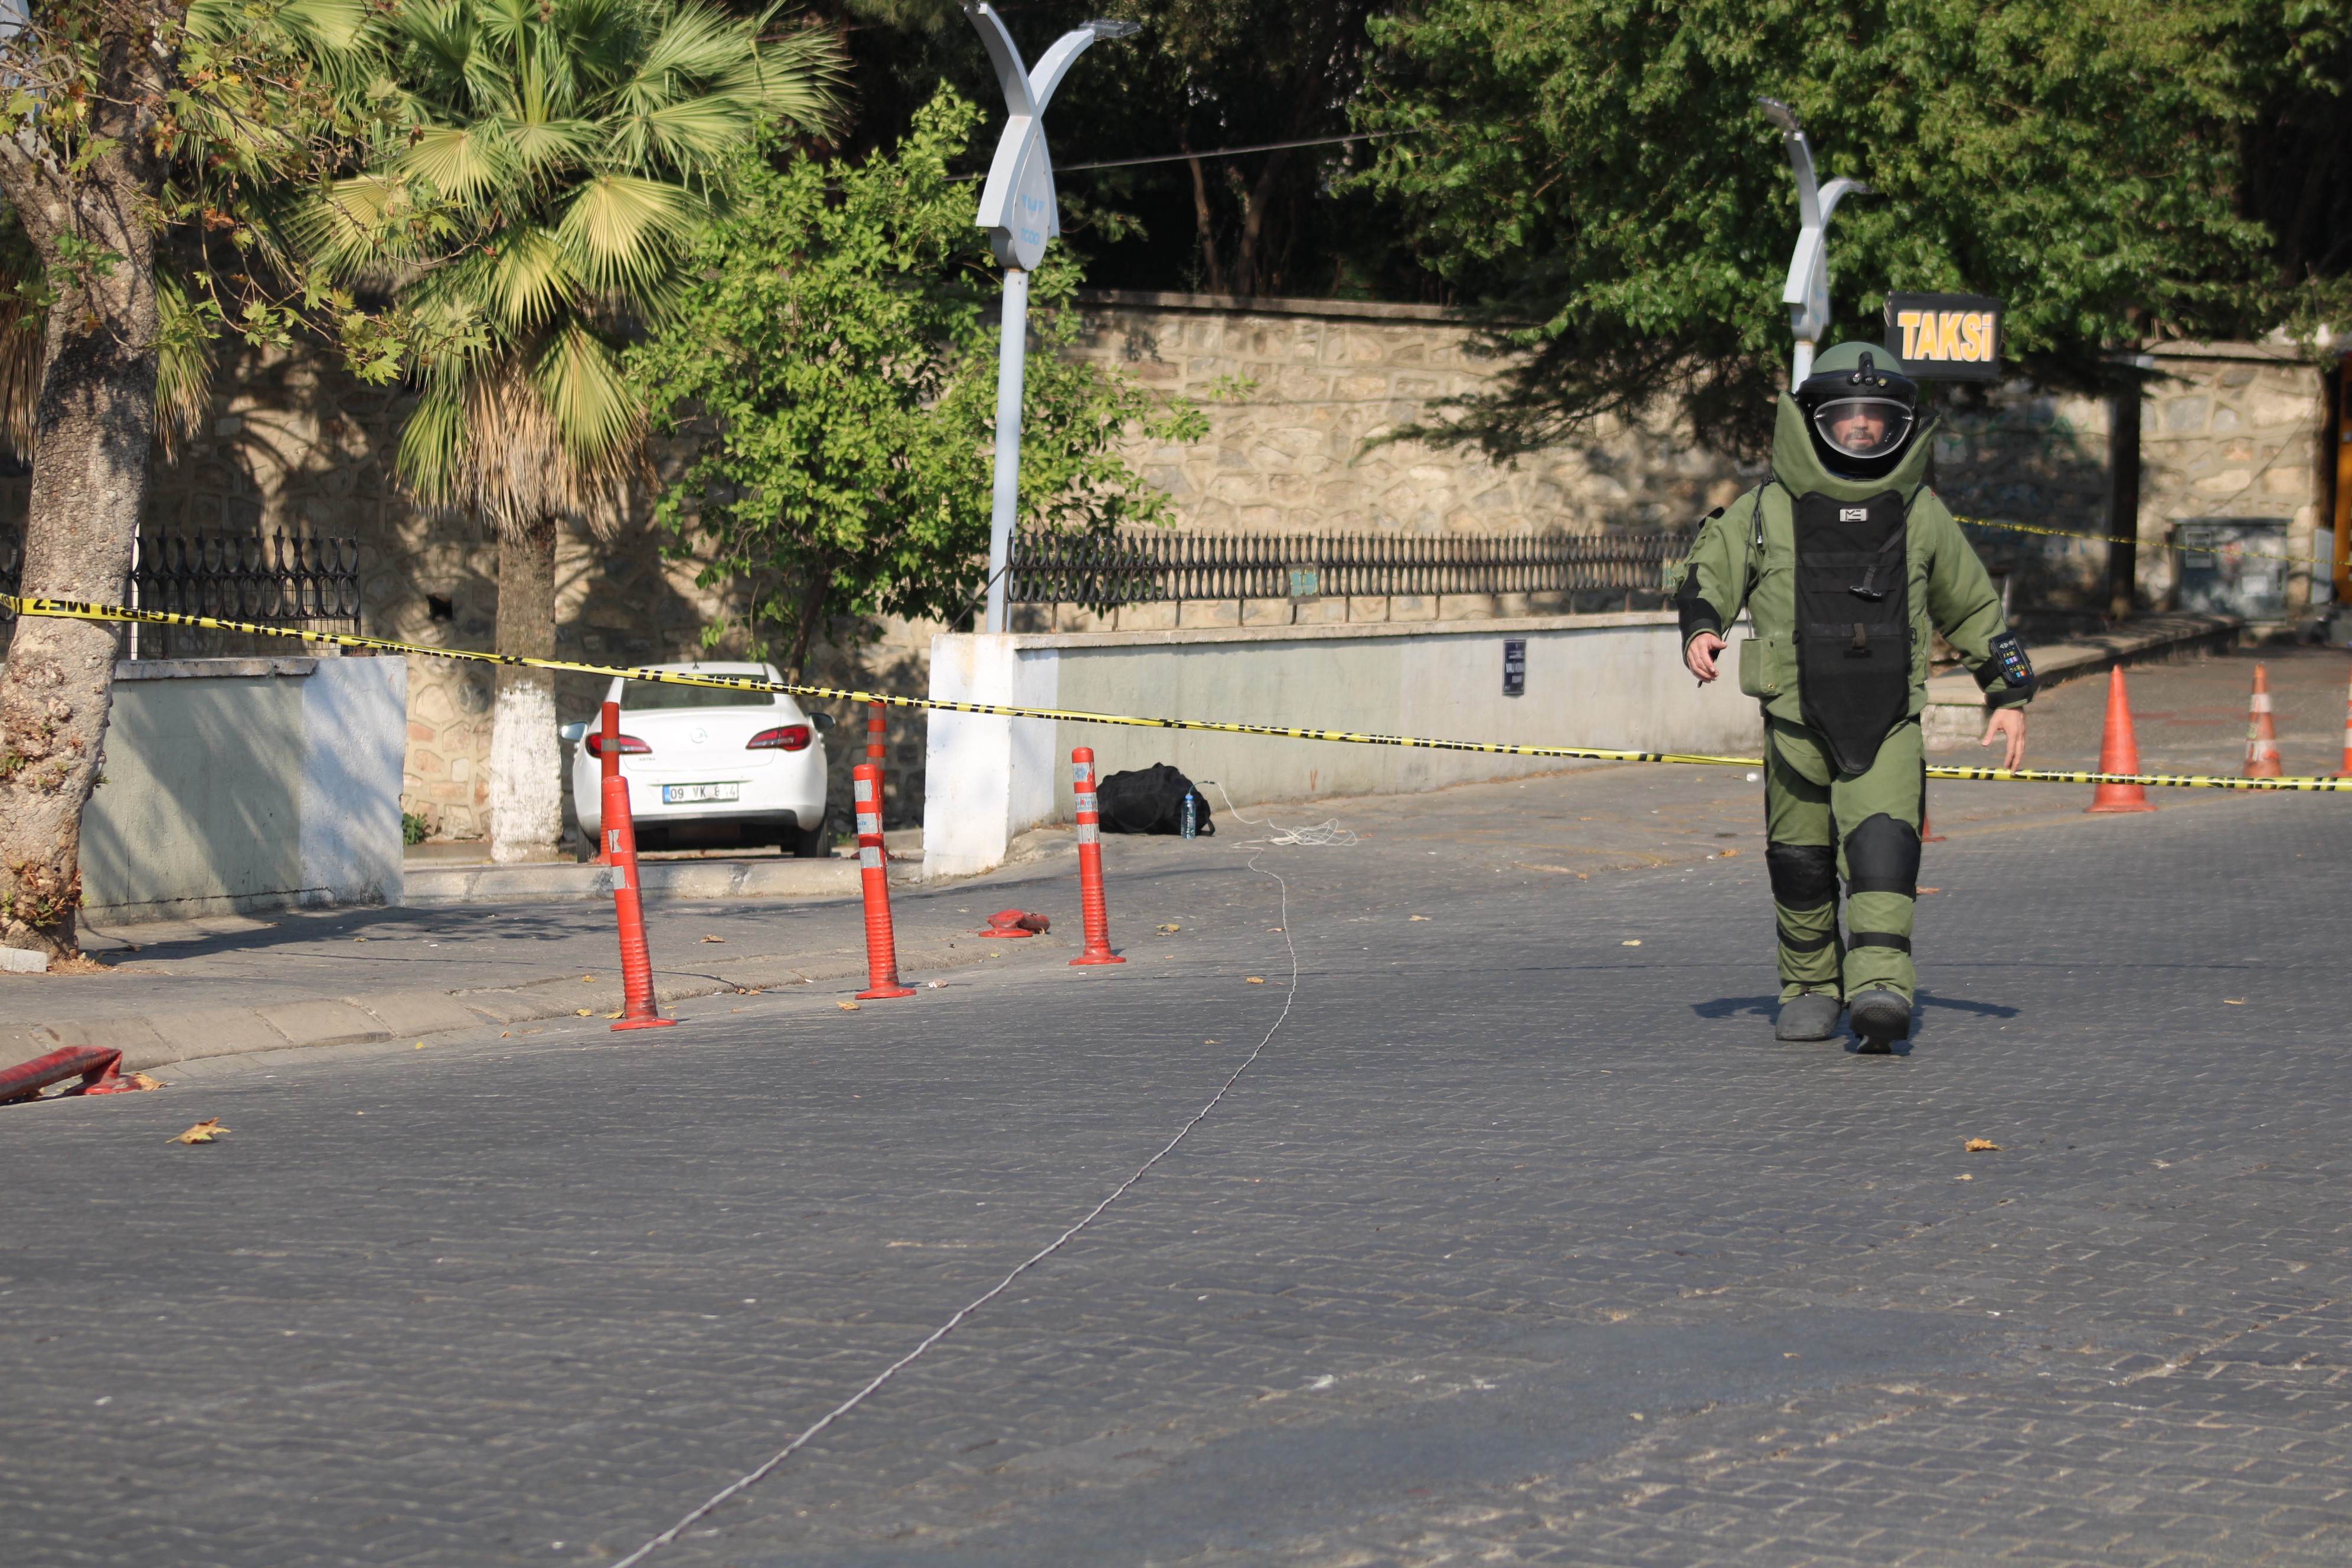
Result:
pixel 1610 680
pixel 234 785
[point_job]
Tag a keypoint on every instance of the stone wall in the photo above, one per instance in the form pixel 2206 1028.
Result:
pixel 2226 430
pixel 1297 393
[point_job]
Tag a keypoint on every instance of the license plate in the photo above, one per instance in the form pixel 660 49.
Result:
pixel 690 795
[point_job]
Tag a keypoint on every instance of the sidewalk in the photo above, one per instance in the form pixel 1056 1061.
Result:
pixel 230 985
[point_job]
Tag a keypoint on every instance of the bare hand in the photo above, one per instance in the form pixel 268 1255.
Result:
pixel 1698 655
pixel 2009 723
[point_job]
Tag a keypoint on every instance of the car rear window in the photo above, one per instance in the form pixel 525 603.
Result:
pixel 643 696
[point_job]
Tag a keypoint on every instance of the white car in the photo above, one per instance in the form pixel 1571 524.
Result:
pixel 708 767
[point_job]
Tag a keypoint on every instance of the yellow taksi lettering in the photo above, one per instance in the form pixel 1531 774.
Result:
pixel 1947 335
pixel 1909 322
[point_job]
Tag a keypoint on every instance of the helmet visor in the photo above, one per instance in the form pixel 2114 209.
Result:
pixel 1863 427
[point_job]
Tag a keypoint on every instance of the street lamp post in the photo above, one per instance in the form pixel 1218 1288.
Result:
pixel 1807 292
pixel 1017 207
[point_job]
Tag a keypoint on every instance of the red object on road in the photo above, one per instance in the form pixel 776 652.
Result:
pixel 2262 735
pixel 98 1067
pixel 874 872
pixel 2346 772
pixel 2119 754
pixel 620 836
pixel 1012 924
pixel 1090 882
pixel 608 759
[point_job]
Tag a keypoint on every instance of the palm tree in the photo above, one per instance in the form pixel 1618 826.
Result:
pixel 541 176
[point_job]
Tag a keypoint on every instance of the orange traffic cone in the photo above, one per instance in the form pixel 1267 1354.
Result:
pixel 2346 772
pixel 2262 735
pixel 2118 753
pixel 1928 835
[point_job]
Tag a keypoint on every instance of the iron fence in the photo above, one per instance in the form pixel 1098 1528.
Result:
pixel 1101 571
pixel 307 581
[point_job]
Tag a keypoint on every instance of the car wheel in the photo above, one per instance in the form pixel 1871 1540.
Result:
pixel 810 844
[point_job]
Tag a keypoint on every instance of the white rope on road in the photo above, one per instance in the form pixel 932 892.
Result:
pixel 744 1483
pixel 1325 835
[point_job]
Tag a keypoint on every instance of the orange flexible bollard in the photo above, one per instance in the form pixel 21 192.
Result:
pixel 877 734
pixel 2119 754
pixel 2262 735
pixel 874 872
pixel 1090 882
pixel 2346 772
pixel 608 760
pixel 620 836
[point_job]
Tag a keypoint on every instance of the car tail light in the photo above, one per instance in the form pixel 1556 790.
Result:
pixel 626 745
pixel 783 738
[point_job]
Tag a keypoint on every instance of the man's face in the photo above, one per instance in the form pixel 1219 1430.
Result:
pixel 1860 428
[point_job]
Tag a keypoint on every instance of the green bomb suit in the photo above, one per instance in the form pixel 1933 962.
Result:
pixel 1841 676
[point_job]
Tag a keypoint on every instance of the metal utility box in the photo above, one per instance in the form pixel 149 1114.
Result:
pixel 2233 566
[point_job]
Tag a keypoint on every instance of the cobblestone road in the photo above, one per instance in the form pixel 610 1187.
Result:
pixel 1519 1242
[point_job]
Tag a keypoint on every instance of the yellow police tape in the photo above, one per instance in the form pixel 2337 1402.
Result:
pixel 73 609
pixel 2231 551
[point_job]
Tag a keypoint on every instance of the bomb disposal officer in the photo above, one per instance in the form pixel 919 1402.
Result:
pixel 1848 564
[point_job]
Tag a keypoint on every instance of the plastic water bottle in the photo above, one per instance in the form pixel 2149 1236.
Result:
pixel 1191 817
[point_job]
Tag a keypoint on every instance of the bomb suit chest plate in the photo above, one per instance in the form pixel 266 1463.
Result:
pixel 1854 620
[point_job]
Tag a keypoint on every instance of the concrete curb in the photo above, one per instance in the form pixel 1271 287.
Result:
pixel 1954 712
pixel 557 883
pixel 159 1040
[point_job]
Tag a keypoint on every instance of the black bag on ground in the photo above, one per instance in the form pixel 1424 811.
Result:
pixel 1150 800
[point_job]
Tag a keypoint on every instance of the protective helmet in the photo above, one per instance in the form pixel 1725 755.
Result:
pixel 1861 417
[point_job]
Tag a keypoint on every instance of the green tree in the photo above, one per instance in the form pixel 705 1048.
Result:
pixel 148 152
pixel 835 349
pixel 1596 175
pixel 546 170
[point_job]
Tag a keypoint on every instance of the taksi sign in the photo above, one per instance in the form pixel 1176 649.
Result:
pixel 1945 337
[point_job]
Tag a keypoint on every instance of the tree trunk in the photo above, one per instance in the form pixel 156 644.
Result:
pixel 1205 219
pixel 92 428
pixel 526 764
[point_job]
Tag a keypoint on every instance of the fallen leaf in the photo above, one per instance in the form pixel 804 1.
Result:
pixel 143 1081
pixel 1634 941
pixel 1729 853
pixel 583 1012
pixel 1170 931
pixel 359 939
pixel 938 985
pixel 588 979
pixel 1584 876
pixel 504 1033
pixel 846 1007
pixel 1964 1176
pixel 616 1015
pixel 717 939
pixel 1257 979
pixel 204 1131
pixel 2233 1001
pixel 1410 919
pixel 1925 891
pixel 1982 1146
pixel 420 1045
pixel 1274 927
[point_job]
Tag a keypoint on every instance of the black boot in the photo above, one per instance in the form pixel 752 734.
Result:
pixel 1809 1016
pixel 1881 1018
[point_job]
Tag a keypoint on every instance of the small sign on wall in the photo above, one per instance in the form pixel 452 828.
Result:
pixel 1515 667
pixel 1306 579
pixel 1945 337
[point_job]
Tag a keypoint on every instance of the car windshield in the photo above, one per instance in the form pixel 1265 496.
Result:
pixel 644 696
